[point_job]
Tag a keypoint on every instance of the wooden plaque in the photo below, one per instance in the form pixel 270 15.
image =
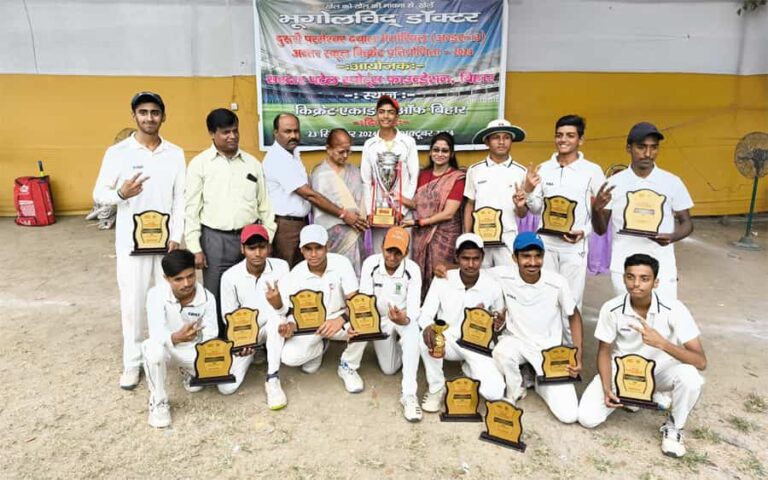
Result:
pixel 644 213
pixel 212 363
pixel 634 381
pixel 461 400
pixel 554 363
pixel 364 318
pixel 487 225
pixel 558 216
pixel 383 217
pixel 503 424
pixel 477 331
pixel 150 233
pixel 243 328
pixel 308 311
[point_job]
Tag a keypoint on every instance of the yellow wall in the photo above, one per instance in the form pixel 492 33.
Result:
pixel 67 121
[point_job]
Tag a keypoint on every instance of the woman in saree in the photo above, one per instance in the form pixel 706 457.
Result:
pixel 437 219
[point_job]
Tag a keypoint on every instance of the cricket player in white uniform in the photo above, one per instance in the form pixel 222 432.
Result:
pixel 640 322
pixel 252 283
pixel 181 313
pixel 143 172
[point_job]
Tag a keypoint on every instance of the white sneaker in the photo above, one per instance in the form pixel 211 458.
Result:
pixel 130 378
pixel 186 378
pixel 160 415
pixel 411 408
pixel 663 400
pixel 672 441
pixel 276 398
pixel 352 381
pixel 433 402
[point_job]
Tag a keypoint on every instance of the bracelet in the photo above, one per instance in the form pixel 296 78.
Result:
pixel 120 195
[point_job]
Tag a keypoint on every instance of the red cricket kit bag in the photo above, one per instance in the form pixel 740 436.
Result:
pixel 32 197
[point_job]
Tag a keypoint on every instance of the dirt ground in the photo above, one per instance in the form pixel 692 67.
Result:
pixel 63 415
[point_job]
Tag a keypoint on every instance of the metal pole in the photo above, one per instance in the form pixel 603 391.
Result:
pixel 746 242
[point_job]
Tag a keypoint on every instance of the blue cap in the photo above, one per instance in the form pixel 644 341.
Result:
pixel 527 239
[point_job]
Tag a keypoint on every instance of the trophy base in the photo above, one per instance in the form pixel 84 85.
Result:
pixel 202 382
pixel 555 380
pixel 519 446
pixel 469 417
pixel 633 402
pixel 555 233
pixel 150 251
pixel 306 331
pixel 243 347
pixel 493 243
pixel 475 348
pixel 368 337
pixel 637 233
pixel 382 222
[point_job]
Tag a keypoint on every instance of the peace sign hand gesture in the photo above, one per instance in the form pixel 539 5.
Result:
pixel 519 197
pixel 273 295
pixel 532 178
pixel 603 197
pixel 651 336
pixel 132 186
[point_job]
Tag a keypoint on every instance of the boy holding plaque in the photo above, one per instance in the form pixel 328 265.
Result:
pixel 648 210
pixel 448 299
pixel 663 333
pixel 144 176
pixel 181 313
pixel 396 283
pixel 537 300
pixel 250 285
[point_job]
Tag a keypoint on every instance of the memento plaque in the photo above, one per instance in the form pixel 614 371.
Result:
pixel 558 216
pixel 365 318
pixel 462 400
pixel 308 311
pixel 634 381
pixel 554 364
pixel 150 233
pixel 212 363
pixel 643 214
pixel 477 330
pixel 243 328
pixel 487 225
pixel 503 424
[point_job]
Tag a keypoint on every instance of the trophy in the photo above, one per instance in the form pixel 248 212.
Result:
pixel 644 213
pixel 243 328
pixel 503 425
pixel 212 363
pixel 439 349
pixel 553 365
pixel 634 381
pixel 558 216
pixel 150 233
pixel 461 400
pixel 487 225
pixel 308 311
pixel 385 205
pixel 477 331
pixel 365 318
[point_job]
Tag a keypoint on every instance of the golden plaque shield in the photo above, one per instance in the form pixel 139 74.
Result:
pixel 150 233
pixel 212 363
pixel 477 331
pixel 634 381
pixel 243 328
pixel 487 225
pixel 554 363
pixel 558 216
pixel 308 310
pixel 365 318
pixel 439 349
pixel 503 424
pixel 461 400
pixel 644 213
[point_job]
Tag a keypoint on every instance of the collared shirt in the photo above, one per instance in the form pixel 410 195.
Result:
pixel 285 174
pixel 165 315
pixel 240 289
pixel 404 146
pixel 492 184
pixel 448 297
pixel 535 310
pixel 677 199
pixel 225 194
pixel 402 289
pixel 163 191
pixel 579 182
pixel 673 322
pixel 336 283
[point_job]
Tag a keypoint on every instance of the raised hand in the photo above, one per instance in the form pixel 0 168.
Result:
pixel 397 316
pixel 519 197
pixel 273 296
pixel 532 178
pixel 603 197
pixel 132 186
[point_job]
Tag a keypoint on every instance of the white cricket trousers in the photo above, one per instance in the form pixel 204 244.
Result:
pixel 572 266
pixel 667 288
pixel 134 275
pixel 497 256
pixel 683 380
pixel 300 349
pixel 512 352
pixel 274 342
pixel 476 366
pixel 400 349
pixel 157 358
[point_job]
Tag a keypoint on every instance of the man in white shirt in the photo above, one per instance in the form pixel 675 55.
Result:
pixel 225 191
pixel 638 322
pixel 290 193
pixel 396 282
pixel 143 172
pixel 252 283
pixel 333 276
pixel 388 141
pixel 466 287
pixel 181 314
pixel 611 202
pixel 495 182
pixel 536 301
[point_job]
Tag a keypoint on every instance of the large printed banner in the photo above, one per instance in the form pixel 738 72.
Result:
pixel 328 61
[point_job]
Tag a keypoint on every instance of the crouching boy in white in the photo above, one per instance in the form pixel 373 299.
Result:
pixel 638 323
pixel 396 282
pixel 536 300
pixel 252 283
pixel 180 314
pixel 467 287
pixel 334 276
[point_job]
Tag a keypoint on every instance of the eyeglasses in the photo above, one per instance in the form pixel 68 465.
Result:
pixel 441 150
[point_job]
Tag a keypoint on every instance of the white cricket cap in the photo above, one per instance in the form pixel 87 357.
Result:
pixel 469 237
pixel 313 234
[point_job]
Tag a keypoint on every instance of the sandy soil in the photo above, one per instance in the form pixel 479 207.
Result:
pixel 63 415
